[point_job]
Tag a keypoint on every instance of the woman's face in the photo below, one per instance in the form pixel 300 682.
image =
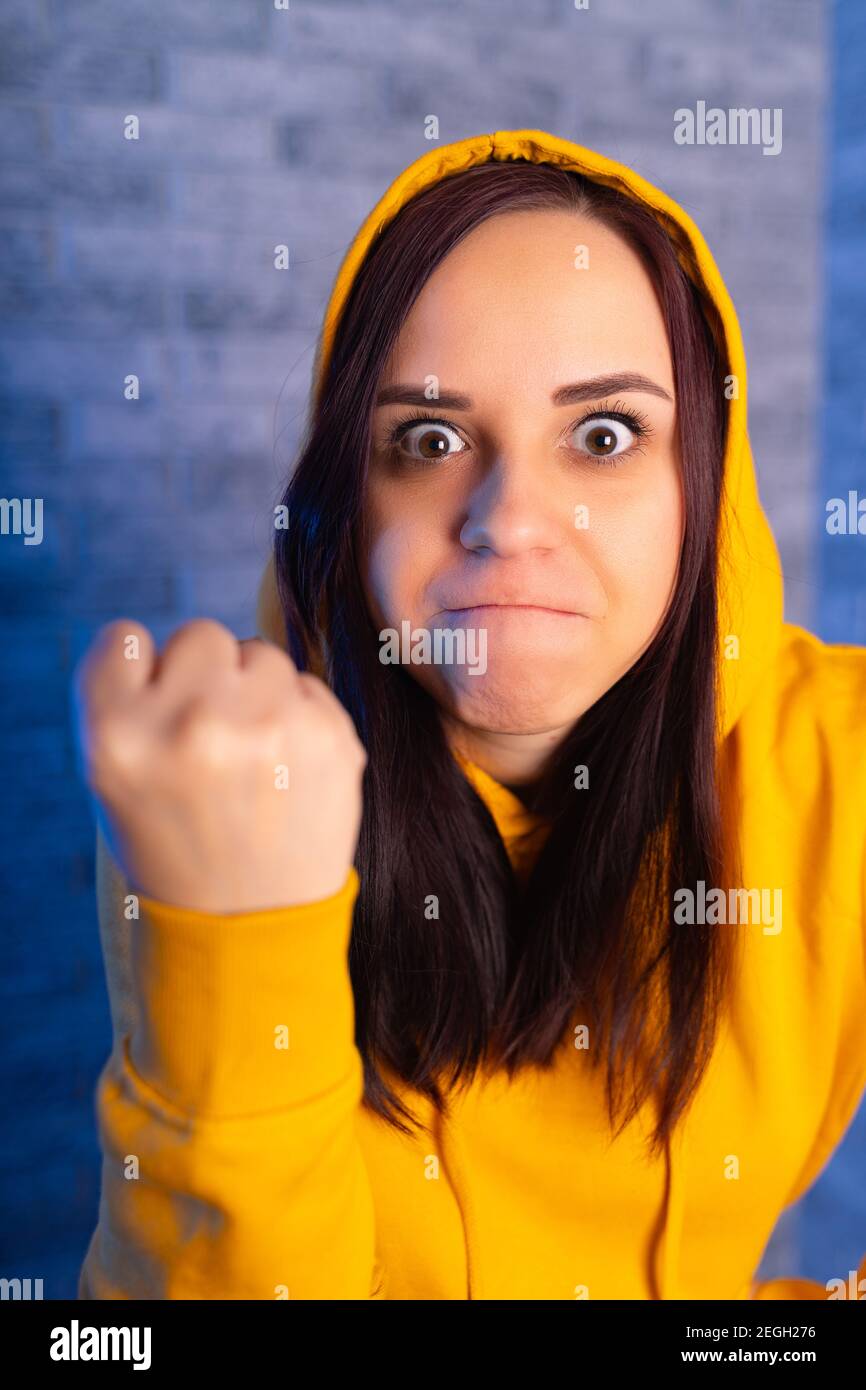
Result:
pixel 532 526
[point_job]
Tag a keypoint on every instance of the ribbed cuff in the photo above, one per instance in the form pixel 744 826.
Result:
pixel 244 1013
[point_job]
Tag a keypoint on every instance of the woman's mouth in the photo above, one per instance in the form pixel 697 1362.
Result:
pixel 481 612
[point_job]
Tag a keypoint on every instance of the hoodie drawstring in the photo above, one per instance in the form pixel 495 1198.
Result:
pixel 451 1151
pixel 673 1232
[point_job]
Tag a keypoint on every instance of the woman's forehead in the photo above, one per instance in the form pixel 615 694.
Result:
pixel 534 299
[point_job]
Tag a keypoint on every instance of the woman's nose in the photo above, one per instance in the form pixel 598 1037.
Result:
pixel 510 513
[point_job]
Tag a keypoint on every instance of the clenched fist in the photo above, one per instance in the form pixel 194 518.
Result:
pixel 225 780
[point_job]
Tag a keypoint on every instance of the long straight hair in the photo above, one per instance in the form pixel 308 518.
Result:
pixel 504 975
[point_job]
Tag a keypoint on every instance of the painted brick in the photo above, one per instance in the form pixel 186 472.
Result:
pixel 84 306
pixel 165 137
pixel 85 72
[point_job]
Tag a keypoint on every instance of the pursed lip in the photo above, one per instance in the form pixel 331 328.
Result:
pixel 481 608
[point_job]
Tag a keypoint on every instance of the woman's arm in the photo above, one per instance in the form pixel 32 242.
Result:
pixel 848 1096
pixel 231 1167
pixel 227 791
pixel 849 1288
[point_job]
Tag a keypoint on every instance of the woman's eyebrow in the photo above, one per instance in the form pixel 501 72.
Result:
pixel 605 386
pixel 577 391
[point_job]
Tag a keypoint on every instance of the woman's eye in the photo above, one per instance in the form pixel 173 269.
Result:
pixel 430 442
pixel 603 438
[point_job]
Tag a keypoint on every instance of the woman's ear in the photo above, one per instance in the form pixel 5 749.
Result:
pixel 269 617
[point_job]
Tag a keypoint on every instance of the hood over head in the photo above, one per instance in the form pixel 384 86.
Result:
pixel 750 586
pixel 750 583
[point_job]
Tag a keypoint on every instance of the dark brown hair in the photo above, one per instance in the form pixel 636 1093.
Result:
pixel 505 975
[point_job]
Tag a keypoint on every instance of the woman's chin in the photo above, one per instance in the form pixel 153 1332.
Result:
pixel 506 703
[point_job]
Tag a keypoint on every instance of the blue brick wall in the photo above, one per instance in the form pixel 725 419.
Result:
pixel 155 257
pixel 842 559
pixel 825 1238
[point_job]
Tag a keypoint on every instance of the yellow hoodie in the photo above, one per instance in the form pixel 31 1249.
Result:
pixel 237 1168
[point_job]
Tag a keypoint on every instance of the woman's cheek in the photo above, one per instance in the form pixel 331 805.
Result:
pixel 392 572
pixel 378 579
pixel 636 552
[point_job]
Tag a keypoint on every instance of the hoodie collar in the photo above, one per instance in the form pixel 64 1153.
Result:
pixel 513 819
pixel 522 831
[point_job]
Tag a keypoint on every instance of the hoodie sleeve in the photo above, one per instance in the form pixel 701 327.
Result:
pixel 850 1284
pixel 770 1289
pixel 226 1111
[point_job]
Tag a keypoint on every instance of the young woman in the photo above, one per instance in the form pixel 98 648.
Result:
pixel 503 936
